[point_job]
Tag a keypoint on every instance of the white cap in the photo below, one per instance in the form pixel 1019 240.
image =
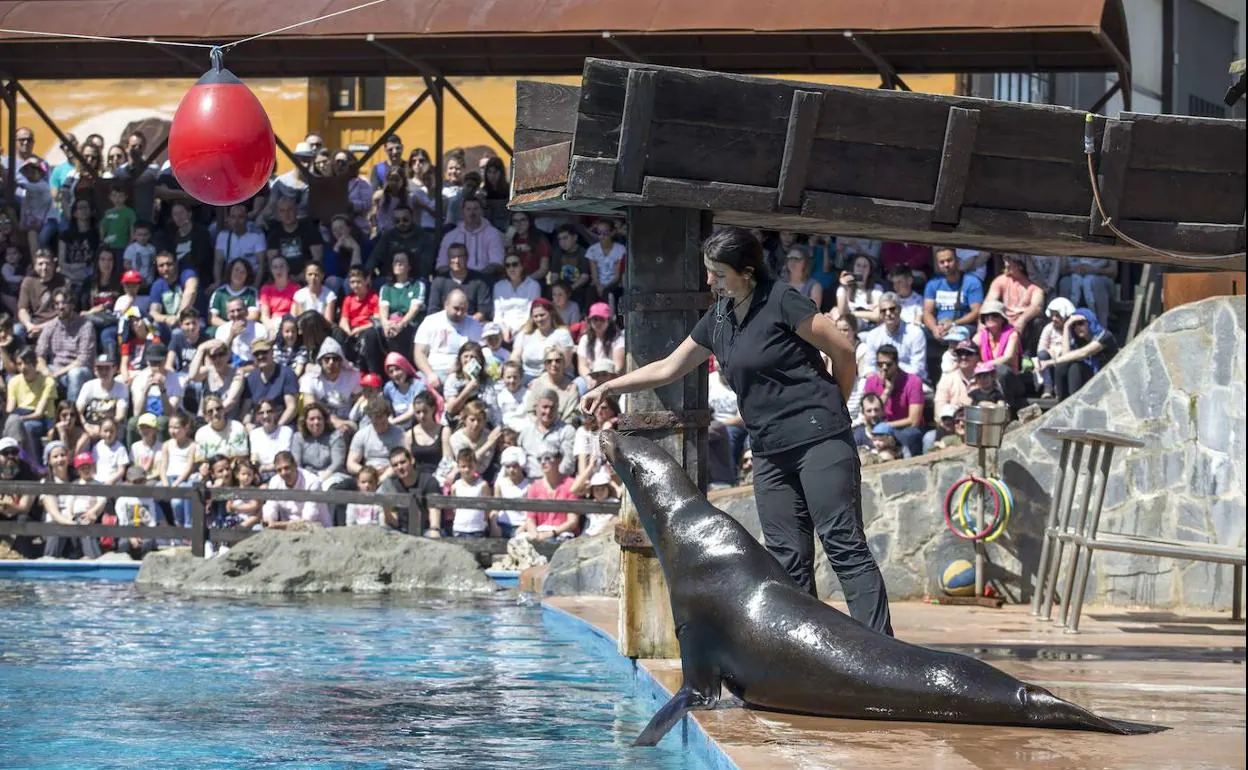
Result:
pixel 948 410
pixel 514 455
pixel 601 477
pixel 1061 306
pixel 602 366
pixel 491 329
pixel 9 443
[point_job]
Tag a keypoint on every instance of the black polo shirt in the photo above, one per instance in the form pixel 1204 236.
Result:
pixel 786 395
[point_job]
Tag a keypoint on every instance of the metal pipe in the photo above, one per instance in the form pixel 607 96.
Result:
pixel 69 146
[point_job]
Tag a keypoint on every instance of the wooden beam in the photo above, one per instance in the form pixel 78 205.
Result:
pixel 545 113
pixel 710 196
pixel 955 165
pixel 1112 178
pixel 541 168
pixel 799 140
pixel 635 131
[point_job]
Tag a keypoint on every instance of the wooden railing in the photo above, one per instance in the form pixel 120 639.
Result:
pixel 201 497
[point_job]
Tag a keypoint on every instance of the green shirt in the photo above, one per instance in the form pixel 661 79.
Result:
pixel 222 296
pixel 400 297
pixel 116 225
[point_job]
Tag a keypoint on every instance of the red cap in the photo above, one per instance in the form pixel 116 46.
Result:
pixel 370 380
pixel 83 458
pixel 131 276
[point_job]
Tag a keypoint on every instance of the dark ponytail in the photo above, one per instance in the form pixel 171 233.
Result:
pixel 737 248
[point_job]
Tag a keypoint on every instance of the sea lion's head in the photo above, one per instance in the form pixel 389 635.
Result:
pixel 656 483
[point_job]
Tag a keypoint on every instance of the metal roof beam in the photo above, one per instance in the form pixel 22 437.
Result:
pixel 887 72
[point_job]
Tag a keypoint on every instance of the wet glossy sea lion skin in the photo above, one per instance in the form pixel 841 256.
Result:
pixel 743 623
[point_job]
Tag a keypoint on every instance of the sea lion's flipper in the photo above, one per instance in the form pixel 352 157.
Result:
pixel 666 718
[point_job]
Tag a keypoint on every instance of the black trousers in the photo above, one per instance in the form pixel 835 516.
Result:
pixel 817 488
pixel 1071 377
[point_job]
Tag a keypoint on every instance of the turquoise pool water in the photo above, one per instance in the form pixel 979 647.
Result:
pixel 97 675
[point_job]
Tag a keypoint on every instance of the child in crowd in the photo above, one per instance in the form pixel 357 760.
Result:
pixel 370 385
pixel 951 431
pixel 511 484
pixel 135 511
pixel 469 522
pixel 131 284
pixel 140 254
pixel 117 224
pixel 110 455
pixel 569 309
pixel 366 513
pixel 145 451
pixel 176 466
pixel 36 201
pixel 606 259
pixel 492 346
pixel 884 444
pixel 287 350
pixel 358 310
pixel 510 397
pixel 986 390
pixel 596 483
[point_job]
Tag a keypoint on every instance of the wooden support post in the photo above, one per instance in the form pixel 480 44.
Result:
pixel 199 521
pixel 1112 176
pixel 663 258
pixel 955 165
pixel 635 131
pixel 799 140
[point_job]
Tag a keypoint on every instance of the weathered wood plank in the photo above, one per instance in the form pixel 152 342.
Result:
pixel 955 164
pixel 711 196
pixel 799 140
pixel 542 167
pixel 1115 160
pixel 716 154
pixel 874 171
pixel 1194 239
pixel 634 149
pixel 531 139
pixel 1026 185
pixel 1177 196
pixel 546 106
pixel 592 178
pixel 597 136
pixel 871 212
pixel 1180 143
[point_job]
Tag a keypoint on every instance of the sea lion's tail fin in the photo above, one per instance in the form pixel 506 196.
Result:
pixel 1062 713
pixel 666 717
pixel 1123 727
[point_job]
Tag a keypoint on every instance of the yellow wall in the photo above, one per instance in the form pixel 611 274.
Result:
pixel 297 106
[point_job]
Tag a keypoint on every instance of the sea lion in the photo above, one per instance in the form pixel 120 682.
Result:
pixel 743 623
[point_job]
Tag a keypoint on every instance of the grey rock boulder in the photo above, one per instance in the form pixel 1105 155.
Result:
pixel 316 560
pixel 585 566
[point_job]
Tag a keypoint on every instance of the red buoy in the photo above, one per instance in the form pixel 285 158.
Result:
pixel 221 145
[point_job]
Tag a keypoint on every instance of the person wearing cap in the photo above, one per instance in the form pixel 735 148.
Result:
pixel 987 389
pixel 884 443
pixel 768 338
pixel 134 511
pixel 13 506
pixel 30 403
pixel 131 286
pixel 1000 346
pixel 951 298
pixel 910 341
pixel 270 381
pixel 1089 348
pixel 596 482
pixel 512 484
pixel 939 436
pixel 70 508
pixel 102 398
pixel 492 346
pixel 334 385
pixel 602 340
pixel 440 336
pixel 1052 343
pixel 513 295
pixel 1023 300
pixel 599 372
pixel 955 385
pixel 294 238
pixel 155 390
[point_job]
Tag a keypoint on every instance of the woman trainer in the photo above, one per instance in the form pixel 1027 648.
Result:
pixel 767 338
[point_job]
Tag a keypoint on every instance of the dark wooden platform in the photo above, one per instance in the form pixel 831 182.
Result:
pixel 892 165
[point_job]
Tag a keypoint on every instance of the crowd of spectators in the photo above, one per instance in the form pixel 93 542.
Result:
pixel 325 335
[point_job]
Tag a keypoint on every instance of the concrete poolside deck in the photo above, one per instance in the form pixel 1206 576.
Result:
pixel 1183 670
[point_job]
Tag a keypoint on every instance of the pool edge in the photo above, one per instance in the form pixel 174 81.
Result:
pixel 695 736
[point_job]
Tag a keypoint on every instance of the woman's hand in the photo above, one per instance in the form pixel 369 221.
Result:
pixel 591 400
pixel 847 279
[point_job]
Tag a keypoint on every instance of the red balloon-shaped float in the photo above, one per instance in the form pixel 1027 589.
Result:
pixel 221 145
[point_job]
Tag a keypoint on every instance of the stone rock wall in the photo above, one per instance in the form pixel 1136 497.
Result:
pixel 318 560
pixel 585 566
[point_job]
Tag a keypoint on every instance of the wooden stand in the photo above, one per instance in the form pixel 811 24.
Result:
pixel 665 296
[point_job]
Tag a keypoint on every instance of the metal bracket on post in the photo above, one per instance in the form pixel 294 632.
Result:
pixel 689 418
pixel 632 539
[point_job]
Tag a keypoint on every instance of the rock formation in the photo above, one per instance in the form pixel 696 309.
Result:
pixel 318 560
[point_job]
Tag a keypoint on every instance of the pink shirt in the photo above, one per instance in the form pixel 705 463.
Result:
pixel 990 352
pixel 538 490
pixel 906 391
pixel 279 300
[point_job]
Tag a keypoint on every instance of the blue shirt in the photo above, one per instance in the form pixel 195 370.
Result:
pixel 282 384
pixel 168 296
pixel 954 300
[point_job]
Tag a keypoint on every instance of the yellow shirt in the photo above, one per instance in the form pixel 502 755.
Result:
pixel 26 395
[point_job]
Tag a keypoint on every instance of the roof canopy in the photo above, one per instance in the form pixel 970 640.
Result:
pixel 554 37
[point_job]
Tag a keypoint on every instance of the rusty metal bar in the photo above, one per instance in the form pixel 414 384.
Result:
pixel 689 418
pixel 70 147
pixel 399 121
pixel 887 72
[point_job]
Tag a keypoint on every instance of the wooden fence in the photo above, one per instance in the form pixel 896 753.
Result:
pixel 201 497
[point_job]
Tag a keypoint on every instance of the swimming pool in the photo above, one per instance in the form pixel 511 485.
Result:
pixel 98 675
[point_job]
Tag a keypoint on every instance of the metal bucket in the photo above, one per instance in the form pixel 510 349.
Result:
pixel 985 425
